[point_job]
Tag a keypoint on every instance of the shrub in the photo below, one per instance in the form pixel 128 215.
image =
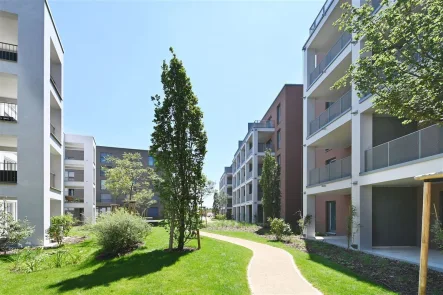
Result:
pixel 60 227
pixel 220 217
pixel 279 228
pixel 12 231
pixel 120 231
pixel 303 223
pixel 437 231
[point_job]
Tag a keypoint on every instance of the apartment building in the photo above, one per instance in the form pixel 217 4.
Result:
pixel 280 131
pixel 79 177
pixel 225 186
pixel 31 113
pixel 353 156
pixel 103 196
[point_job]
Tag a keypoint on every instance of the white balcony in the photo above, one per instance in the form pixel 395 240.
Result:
pixel 74 164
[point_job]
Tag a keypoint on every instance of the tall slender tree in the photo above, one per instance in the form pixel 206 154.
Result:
pixel 179 148
pixel 270 184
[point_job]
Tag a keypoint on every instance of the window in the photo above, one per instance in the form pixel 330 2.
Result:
pixel 103 169
pixel 103 184
pixel 329 161
pixel 278 139
pixel 103 157
pixel 69 175
pixel 150 161
pixel 278 114
pixel 105 198
pixel 279 160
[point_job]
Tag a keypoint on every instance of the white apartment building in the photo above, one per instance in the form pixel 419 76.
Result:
pixel 80 177
pixel 354 156
pixel 31 113
pixel 246 171
pixel 225 186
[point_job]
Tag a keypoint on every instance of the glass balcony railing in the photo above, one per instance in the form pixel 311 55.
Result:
pixel 248 175
pixel 342 105
pixel 417 145
pixel 333 171
pixel 8 111
pixel 262 147
pixel 320 16
pixel 261 124
pixel 8 51
pixel 341 43
pixel 249 197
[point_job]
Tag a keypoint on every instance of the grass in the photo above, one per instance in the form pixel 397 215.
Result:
pixel 325 275
pixel 218 268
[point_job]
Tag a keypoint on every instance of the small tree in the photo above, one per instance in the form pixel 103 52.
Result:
pixel 216 206
pixel 60 227
pixel 304 222
pixel 179 148
pixel 437 231
pixel 401 61
pixel 12 231
pixel 351 227
pixel 270 184
pixel 279 228
pixel 130 178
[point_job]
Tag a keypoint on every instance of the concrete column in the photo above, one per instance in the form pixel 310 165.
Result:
pixel 365 220
pixel 247 213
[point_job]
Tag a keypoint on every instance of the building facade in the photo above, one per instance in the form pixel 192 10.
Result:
pixel 80 177
pixel 225 186
pixel 279 131
pixel 104 199
pixel 31 114
pixel 355 158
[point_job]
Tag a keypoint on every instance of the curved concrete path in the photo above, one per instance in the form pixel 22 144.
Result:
pixel 271 270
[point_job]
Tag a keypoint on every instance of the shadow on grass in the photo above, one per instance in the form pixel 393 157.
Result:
pixel 130 267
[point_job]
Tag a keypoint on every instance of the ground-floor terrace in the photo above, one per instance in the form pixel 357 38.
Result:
pixel 250 213
pixel 388 222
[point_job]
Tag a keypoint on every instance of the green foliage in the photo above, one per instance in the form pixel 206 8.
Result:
pixel 270 185
pixel 60 227
pixel 179 148
pixel 220 202
pixel 130 178
pixel 437 231
pixel 351 227
pixel 220 217
pixel 401 60
pixel 12 231
pixel 304 222
pixel 279 228
pixel 120 231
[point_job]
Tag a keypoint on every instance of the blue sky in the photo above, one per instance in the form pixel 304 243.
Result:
pixel 237 54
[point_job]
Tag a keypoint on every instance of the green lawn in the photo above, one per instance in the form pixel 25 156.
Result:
pixel 218 268
pixel 325 275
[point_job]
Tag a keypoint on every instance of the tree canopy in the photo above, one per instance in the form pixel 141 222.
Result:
pixel 179 148
pixel 401 58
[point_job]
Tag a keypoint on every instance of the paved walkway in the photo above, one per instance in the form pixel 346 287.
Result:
pixel 271 270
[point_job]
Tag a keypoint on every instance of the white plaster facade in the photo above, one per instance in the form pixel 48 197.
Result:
pixel 80 175
pixel 225 186
pixel 391 163
pixel 31 129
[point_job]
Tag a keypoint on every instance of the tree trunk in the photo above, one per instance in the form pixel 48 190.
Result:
pixel 198 239
pixel 171 236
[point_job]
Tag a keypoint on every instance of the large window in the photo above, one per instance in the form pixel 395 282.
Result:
pixel 278 139
pixel 69 175
pixel 103 157
pixel 103 184
pixel 105 198
pixel 278 114
pixel 279 160
pixel 150 161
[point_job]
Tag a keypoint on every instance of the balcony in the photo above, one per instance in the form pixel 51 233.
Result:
pixel 229 181
pixel 249 197
pixel 8 172
pixel 52 182
pixel 249 153
pixel 260 195
pixel 8 112
pixel 8 51
pixel 261 124
pixel 243 198
pixel 56 88
pixel 262 147
pixel 414 146
pixel 54 134
pixel 335 50
pixel 374 3
pixel 320 16
pixel 248 175
pixel 333 171
pixel 341 106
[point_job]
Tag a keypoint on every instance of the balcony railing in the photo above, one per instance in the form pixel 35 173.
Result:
pixel 56 88
pixel 249 197
pixel 261 124
pixel 341 43
pixel 342 105
pixel 54 134
pixel 417 145
pixel 320 16
pixel 8 172
pixel 243 198
pixel 8 51
pixel 248 175
pixel 52 180
pixel 333 171
pixel 229 181
pixel 8 111
pixel 249 153
pixel 262 147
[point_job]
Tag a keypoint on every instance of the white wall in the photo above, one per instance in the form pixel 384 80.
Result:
pixel 8 27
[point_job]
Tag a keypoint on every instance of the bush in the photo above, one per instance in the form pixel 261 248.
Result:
pixel 303 223
pixel 279 228
pixel 220 217
pixel 12 231
pixel 60 227
pixel 120 231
